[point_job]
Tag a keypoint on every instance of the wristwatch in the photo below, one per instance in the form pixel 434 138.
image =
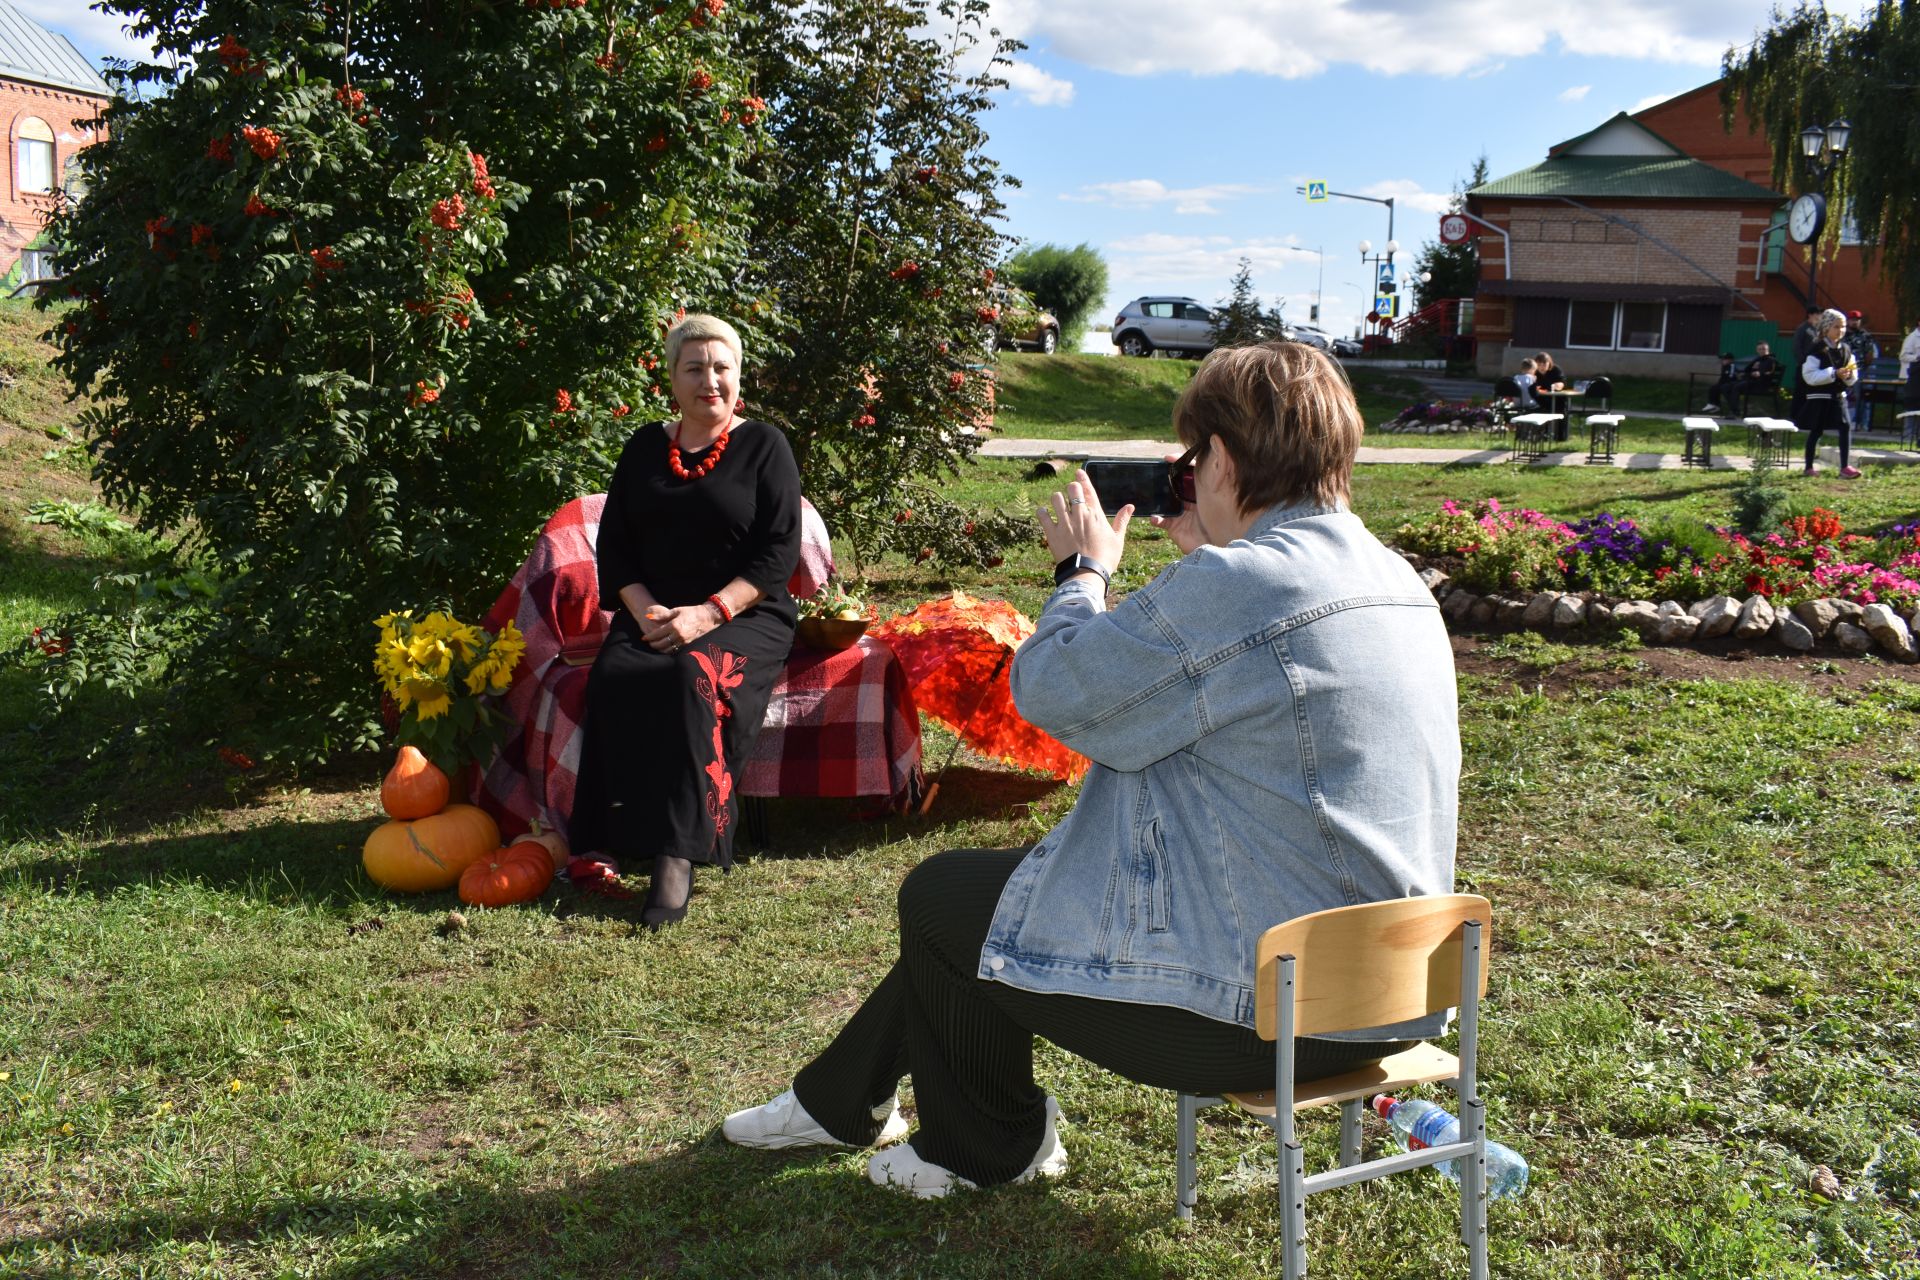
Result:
pixel 1081 564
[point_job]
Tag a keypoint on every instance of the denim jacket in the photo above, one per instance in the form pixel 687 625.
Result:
pixel 1274 731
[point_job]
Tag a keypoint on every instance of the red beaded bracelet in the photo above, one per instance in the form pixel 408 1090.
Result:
pixel 726 614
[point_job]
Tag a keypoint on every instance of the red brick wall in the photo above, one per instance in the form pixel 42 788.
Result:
pixel 23 214
pixel 1691 122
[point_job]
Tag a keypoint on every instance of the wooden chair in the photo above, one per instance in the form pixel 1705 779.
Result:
pixel 1344 970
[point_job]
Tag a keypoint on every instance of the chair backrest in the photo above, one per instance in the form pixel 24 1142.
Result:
pixel 1600 389
pixel 1370 965
pixel 1506 387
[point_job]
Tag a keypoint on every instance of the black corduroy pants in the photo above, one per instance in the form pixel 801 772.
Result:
pixel 968 1043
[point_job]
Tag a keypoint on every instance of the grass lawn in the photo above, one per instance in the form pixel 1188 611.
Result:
pixel 225 1053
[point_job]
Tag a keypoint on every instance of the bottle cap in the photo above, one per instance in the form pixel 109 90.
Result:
pixel 1383 1105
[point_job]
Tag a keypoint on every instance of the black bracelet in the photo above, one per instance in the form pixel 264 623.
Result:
pixel 1080 564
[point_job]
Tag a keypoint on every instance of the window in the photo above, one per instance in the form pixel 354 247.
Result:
pixel 1590 324
pixel 1159 310
pixel 1628 326
pixel 36 264
pixel 34 147
pixel 1190 312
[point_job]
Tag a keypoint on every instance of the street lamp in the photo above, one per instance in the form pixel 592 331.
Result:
pixel 1367 255
pixel 1822 150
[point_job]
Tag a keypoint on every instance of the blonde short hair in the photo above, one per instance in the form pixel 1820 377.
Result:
pixel 703 328
pixel 1287 415
pixel 1527 365
pixel 1831 317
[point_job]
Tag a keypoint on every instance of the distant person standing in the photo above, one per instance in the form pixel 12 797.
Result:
pixel 1910 369
pixel 1827 372
pixel 1805 338
pixel 1866 350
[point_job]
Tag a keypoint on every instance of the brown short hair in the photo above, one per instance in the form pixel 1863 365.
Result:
pixel 1285 412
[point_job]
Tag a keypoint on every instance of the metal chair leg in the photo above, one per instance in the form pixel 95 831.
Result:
pixel 1186 1171
pixel 1473 1189
pixel 1293 1211
pixel 1349 1132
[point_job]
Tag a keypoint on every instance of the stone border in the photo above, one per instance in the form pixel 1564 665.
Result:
pixel 1850 627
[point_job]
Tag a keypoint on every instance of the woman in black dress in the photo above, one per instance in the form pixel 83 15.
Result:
pixel 700 534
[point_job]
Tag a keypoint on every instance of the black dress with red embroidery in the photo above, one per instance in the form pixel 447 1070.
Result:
pixel 665 733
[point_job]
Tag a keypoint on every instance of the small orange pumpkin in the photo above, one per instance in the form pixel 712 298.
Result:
pixel 519 873
pixel 429 854
pixel 414 788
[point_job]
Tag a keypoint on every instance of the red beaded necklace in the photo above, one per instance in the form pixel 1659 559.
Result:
pixel 707 463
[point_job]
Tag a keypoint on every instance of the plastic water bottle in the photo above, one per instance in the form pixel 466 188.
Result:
pixel 1419 1124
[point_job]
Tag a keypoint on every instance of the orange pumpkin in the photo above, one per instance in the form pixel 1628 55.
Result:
pixel 429 854
pixel 506 876
pixel 555 843
pixel 414 787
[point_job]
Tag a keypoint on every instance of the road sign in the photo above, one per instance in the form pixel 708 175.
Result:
pixel 1386 305
pixel 1316 192
pixel 1386 277
pixel 1453 229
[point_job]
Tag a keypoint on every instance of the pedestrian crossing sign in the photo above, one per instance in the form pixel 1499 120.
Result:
pixel 1386 305
pixel 1316 192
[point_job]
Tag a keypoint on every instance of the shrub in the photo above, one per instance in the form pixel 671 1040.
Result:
pixel 1068 282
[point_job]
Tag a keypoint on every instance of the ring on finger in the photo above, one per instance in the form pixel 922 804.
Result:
pixel 1076 502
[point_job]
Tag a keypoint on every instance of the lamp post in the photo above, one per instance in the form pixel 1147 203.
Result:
pixel 1368 256
pixel 1822 149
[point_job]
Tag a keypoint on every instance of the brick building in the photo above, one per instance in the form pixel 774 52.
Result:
pixel 1621 254
pixel 1692 122
pixel 49 98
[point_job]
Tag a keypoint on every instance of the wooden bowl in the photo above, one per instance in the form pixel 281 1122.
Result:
pixel 831 634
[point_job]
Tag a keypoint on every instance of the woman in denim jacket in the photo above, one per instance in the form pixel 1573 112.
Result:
pixel 1274 732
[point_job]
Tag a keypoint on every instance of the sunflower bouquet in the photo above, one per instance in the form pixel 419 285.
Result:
pixel 439 672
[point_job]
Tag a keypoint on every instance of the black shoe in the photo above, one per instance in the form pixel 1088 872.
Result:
pixel 657 918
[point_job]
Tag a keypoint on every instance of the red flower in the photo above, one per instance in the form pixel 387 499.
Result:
pixel 864 420
pixel 926 173
pixel 994 562
pixel 238 759
pixel 907 270
pixel 622 410
pixel 324 259
pixel 904 516
pixel 967 529
pixel 200 234
pixel 606 61
pixel 751 109
pixel 239 59
pixel 563 401
pixel 264 141
pixel 447 213
pixel 988 315
pixel 956 380
pixel 482 182
pixel 658 142
pixel 701 80
pixel 349 97
pixel 52 645
pixel 926 553
pixel 193 328
pixel 704 10
pixel 221 148
pixel 257 208
pixel 423 393
pixel 988 273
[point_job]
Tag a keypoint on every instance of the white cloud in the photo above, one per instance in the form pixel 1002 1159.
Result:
pixel 1203 266
pixel 1141 193
pixel 1408 194
pixel 1297 38
pixel 1036 86
pixel 1575 93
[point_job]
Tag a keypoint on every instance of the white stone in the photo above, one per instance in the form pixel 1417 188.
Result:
pixel 1638 614
pixel 1599 613
pixel 1849 611
pixel 1718 617
pixel 1434 579
pixel 1540 609
pixel 1890 630
pixel 1676 628
pixel 1851 638
pixel 1791 632
pixel 1755 620
pixel 1673 609
pixel 1569 611
pixel 1510 612
pixel 1819 615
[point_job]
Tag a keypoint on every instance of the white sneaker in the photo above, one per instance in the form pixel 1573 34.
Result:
pixel 902 1168
pixel 784 1123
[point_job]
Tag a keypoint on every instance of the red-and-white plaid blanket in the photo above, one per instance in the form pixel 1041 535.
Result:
pixel 554 600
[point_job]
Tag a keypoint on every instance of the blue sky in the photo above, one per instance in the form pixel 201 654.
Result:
pixel 1170 134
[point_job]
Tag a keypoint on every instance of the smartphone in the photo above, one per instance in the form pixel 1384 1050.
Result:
pixel 1143 483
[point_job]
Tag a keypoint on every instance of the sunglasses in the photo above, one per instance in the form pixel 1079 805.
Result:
pixel 1180 474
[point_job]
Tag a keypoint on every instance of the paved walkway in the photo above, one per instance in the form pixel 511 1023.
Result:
pixel 1082 450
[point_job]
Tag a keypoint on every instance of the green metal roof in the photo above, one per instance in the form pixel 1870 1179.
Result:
pixel 1657 177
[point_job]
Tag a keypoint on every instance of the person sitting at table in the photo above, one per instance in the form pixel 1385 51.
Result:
pixel 1547 376
pixel 1761 377
pixel 701 533
pixel 1829 370
pixel 1274 731
pixel 1523 380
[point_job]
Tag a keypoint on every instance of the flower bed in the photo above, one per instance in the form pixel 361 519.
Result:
pixel 1439 416
pixel 1678 580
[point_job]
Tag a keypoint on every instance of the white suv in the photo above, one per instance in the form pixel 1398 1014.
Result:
pixel 1164 324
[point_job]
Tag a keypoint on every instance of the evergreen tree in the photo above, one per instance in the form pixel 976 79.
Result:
pixel 1238 319
pixel 1455 267
pixel 1809 66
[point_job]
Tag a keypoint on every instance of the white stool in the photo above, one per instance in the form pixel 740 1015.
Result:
pixel 1770 438
pixel 1909 421
pixel 1700 434
pixel 1532 432
pixel 1602 430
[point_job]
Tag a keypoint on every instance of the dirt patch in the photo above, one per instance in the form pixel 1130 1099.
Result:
pixel 1597 667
